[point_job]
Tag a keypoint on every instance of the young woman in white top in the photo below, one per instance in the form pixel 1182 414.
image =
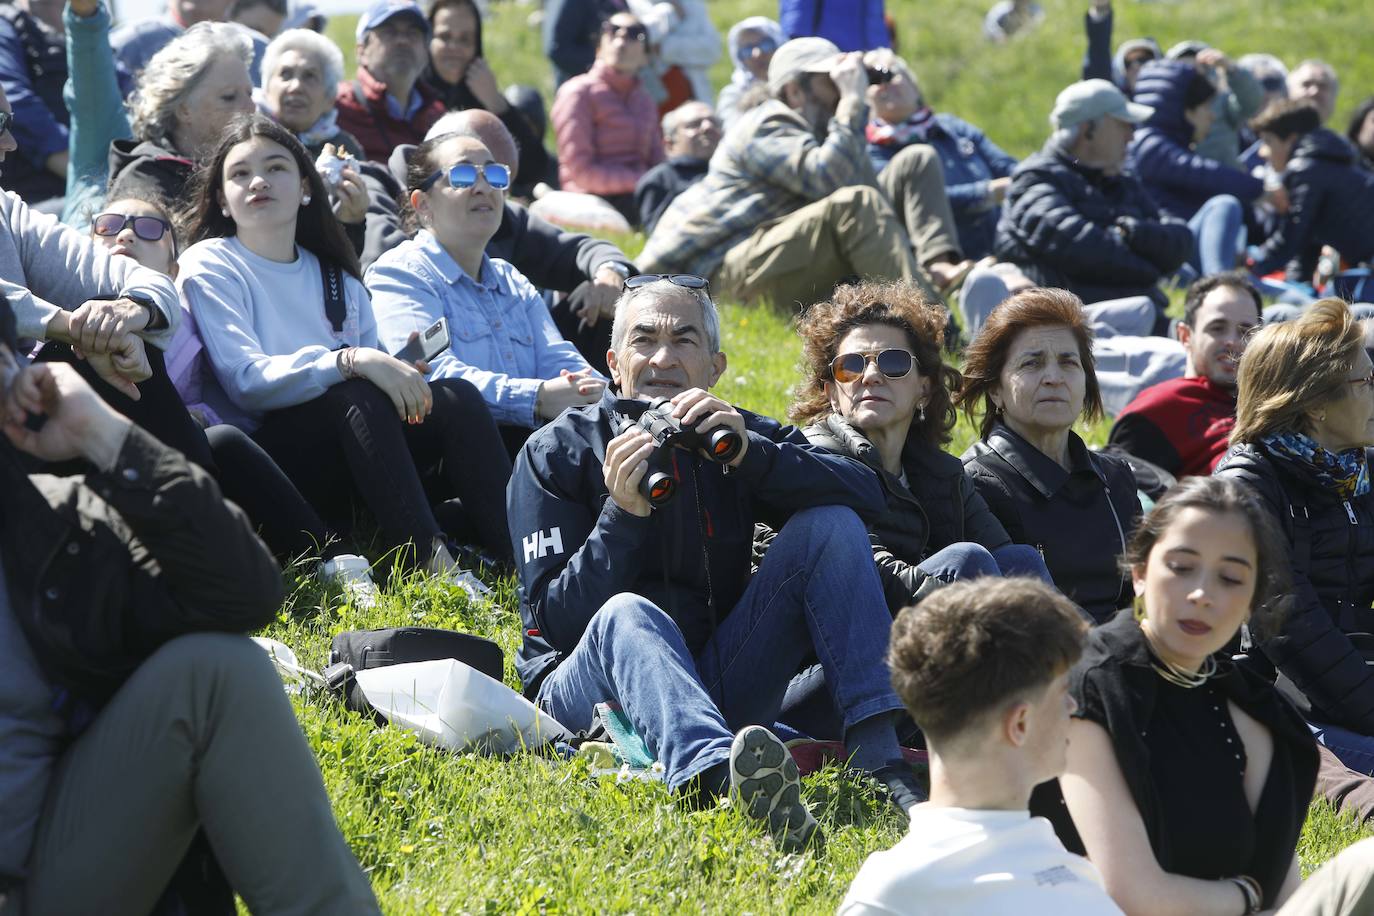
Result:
pixel 300 369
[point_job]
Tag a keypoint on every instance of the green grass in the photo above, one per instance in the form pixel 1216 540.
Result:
pixel 444 833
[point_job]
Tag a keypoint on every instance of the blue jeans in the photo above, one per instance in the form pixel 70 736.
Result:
pixel 1353 749
pixel 1218 234
pixel 808 709
pixel 816 593
pixel 966 560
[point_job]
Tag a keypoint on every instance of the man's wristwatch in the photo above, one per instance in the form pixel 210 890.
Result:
pixel 616 266
pixel 156 320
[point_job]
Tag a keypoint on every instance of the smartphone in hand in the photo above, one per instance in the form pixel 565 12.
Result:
pixel 432 341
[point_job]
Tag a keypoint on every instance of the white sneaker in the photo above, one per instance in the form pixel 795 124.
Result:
pixel 353 574
pixel 474 587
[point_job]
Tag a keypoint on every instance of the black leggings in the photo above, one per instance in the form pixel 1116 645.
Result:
pixel 158 410
pixel 350 441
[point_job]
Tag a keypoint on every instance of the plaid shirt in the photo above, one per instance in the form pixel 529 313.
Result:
pixel 770 164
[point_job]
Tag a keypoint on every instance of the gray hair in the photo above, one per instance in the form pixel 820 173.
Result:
pixel 175 70
pixel 660 289
pixel 675 118
pixel 306 41
pixel 1320 64
pixel 1062 139
pixel 1260 64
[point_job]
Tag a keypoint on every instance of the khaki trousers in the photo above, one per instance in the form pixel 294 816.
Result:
pixel 1342 887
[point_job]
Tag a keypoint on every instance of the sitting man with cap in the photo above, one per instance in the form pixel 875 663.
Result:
pixel 791 205
pixel 387 104
pixel 634 556
pixel 1075 218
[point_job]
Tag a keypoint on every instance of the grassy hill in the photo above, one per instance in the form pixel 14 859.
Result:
pixel 441 833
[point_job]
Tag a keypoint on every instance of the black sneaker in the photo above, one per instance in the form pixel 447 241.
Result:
pixel 764 778
pixel 903 790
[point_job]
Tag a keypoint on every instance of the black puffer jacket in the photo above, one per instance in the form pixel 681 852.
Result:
pixel 938 506
pixel 1333 585
pixel 1330 202
pixel 140 169
pixel 1098 236
pixel 1079 519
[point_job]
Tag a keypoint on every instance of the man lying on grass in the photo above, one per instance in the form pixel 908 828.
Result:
pixel 654 608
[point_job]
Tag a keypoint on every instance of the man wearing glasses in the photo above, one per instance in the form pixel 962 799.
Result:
pixel 647 600
pixel 606 121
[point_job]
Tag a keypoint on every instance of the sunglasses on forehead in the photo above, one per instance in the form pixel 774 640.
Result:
pixel 463 175
pixel 686 281
pixel 849 367
pixel 632 32
pixel 148 228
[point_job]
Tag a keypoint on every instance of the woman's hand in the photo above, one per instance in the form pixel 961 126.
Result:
pixel 482 83
pixel 401 382
pixel 123 366
pixel 350 197
pixel 570 389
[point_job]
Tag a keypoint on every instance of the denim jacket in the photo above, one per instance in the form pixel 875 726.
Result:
pixel 503 340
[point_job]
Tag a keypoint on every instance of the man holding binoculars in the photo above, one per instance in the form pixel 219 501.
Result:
pixel 654 607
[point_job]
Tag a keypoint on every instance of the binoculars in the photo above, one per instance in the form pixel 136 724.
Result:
pixel 721 445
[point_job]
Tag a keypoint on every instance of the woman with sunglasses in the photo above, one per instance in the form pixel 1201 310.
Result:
pixel 1304 427
pixel 1188 776
pixel 606 122
pixel 289 333
pixel 502 338
pixel 1029 372
pixel 877 390
pixel 752 42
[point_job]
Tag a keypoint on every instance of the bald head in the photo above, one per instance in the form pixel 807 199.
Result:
pixel 482 126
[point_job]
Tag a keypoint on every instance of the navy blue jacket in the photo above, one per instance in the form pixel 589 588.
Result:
pixel 575 548
pixel 1098 236
pixel 970 161
pixel 1178 179
pixel 1330 202
pixel 853 25
pixel 33 69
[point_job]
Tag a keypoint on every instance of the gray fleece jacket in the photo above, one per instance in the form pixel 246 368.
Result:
pixel 46 267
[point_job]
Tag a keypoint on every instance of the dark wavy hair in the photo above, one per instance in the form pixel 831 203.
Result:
pixel 987 355
pixel 317 229
pixel 897 305
pixel 1219 495
pixel 1356 122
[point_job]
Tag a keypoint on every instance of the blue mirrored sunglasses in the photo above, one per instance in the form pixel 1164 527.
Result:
pixel 463 175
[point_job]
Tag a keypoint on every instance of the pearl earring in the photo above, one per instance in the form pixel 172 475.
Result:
pixel 225 211
pixel 921 414
pixel 305 201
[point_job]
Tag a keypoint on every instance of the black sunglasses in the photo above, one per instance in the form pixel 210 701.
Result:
pixel 632 32
pixel 148 228
pixel 6 121
pixel 686 281
pixel 849 367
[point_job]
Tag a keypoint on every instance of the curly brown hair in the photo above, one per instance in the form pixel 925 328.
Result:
pixel 897 305
pixel 987 355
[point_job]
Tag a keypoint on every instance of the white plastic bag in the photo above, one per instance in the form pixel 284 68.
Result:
pixel 454 706
pixel 288 666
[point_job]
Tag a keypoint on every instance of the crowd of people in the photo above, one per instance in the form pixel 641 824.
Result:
pixel 225 261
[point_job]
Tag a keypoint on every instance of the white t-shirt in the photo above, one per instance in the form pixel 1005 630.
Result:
pixel 983 863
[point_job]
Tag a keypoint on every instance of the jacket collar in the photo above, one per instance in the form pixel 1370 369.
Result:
pixel 1040 470
pixel 448 268
pixel 623 83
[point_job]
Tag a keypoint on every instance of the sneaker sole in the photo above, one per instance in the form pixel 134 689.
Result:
pixel 764 777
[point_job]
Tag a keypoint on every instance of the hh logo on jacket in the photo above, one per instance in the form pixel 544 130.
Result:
pixel 541 544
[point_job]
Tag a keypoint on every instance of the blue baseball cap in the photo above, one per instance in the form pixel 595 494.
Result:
pixel 383 10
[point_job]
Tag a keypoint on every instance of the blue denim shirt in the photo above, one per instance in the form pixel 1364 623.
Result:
pixel 503 340
pixel 970 161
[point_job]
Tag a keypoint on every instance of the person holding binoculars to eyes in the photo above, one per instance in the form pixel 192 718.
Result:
pixel 654 607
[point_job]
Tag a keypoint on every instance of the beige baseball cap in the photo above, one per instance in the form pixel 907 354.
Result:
pixel 798 56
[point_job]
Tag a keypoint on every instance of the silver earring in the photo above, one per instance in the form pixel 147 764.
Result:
pixel 921 414
pixel 305 201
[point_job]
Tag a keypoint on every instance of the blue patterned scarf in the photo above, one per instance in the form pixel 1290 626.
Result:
pixel 1345 473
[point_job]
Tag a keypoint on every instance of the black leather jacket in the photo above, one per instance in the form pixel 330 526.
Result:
pixel 936 507
pixel 1333 585
pixel 1079 519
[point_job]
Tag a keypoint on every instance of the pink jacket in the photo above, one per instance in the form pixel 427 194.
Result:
pixel 608 132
